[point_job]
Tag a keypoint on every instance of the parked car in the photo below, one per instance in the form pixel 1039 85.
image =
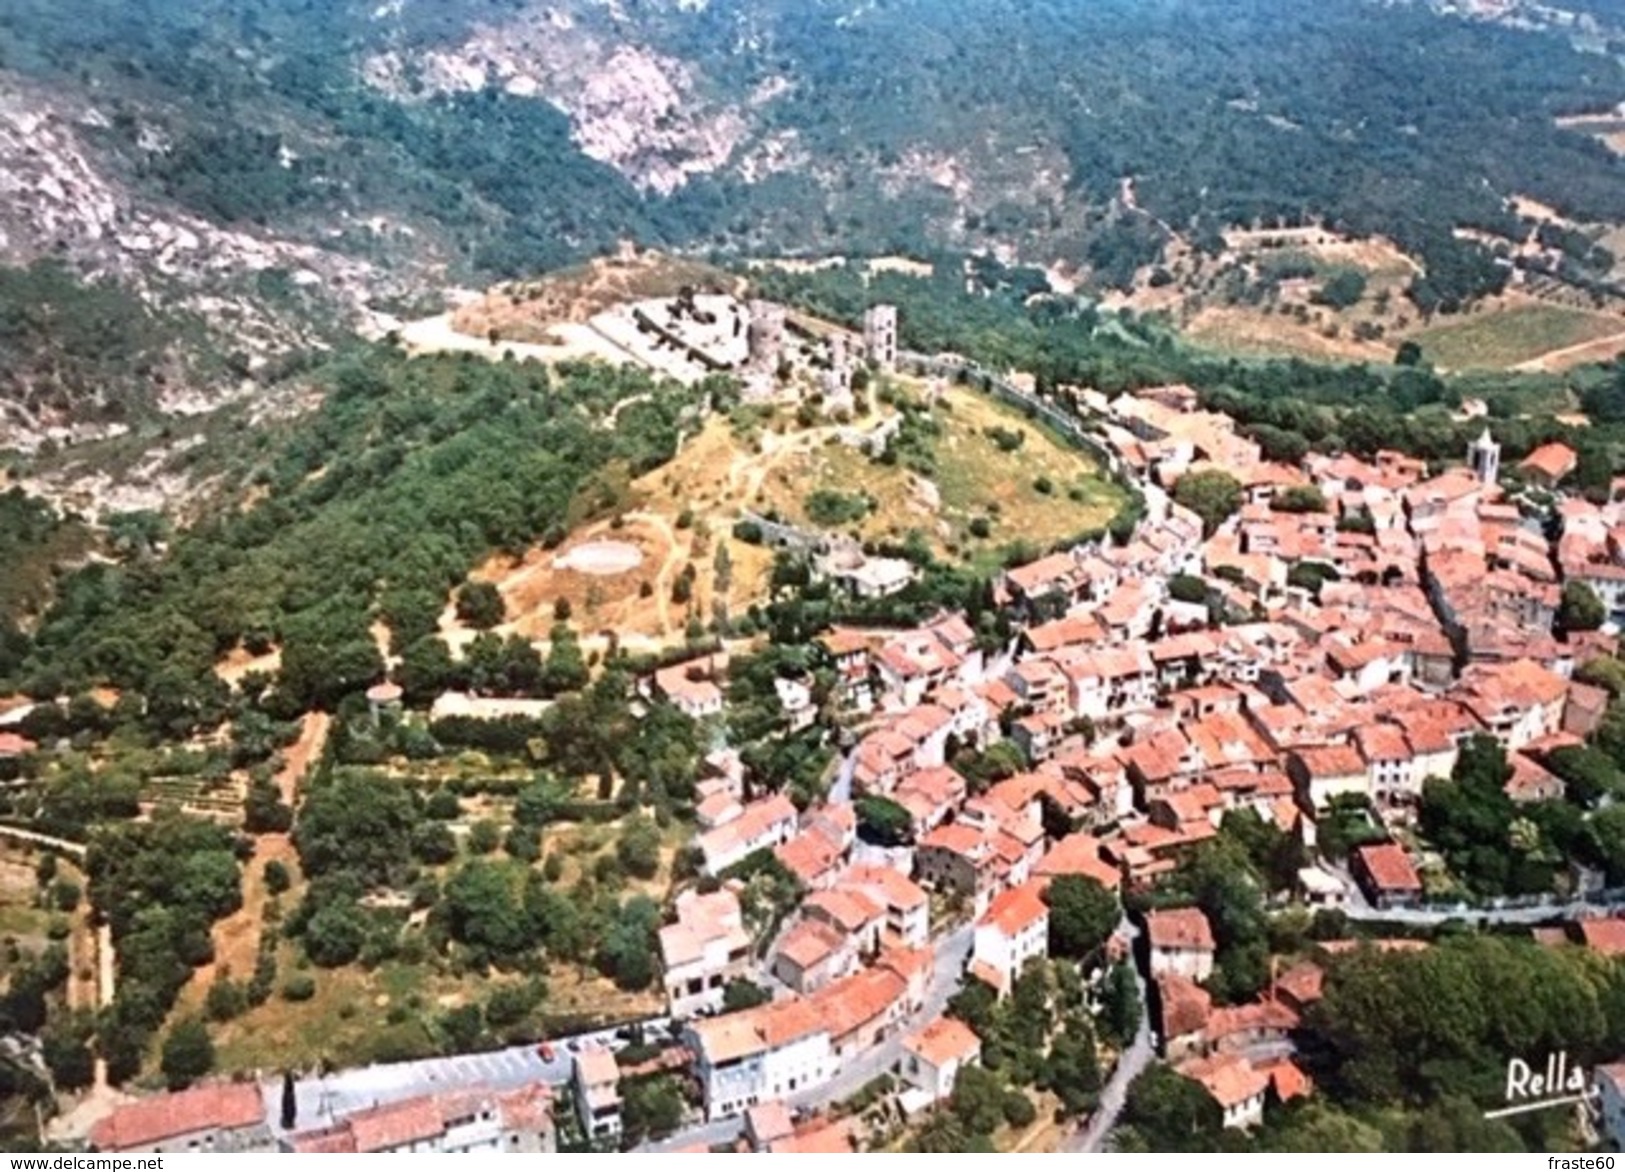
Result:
pixel 545 1051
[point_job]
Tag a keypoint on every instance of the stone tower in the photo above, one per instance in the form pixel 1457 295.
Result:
pixel 764 335
pixel 880 336
pixel 1485 458
pixel 840 364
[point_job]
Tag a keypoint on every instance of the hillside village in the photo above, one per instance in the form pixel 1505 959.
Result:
pixel 1303 655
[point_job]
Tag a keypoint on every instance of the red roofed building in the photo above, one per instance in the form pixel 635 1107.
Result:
pixel 1549 463
pixel 1238 1028
pixel 957 858
pixel 473 1120
pixel 1181 942
pixel 1385 873
pixel 1287 1080
pixel 1300 986
pixel 1604 936
pixel 1327 772
pixel 224 1117
pixel 859 1010
pixel 812 954
pixel 1184 1008
pixel 1014 931
pixel 1234 1084
pixel 1079 854
pixel 933 1058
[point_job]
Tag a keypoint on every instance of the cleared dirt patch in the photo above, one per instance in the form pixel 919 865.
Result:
pixel 532 311
pixel 601 558
pixel 238 662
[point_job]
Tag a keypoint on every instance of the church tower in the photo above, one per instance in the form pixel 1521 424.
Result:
pixel 1485 458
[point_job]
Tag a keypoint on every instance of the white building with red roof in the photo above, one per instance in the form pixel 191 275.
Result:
pixel 1181 943
pixel 705 949
pixel 219 1117
pixel 933 1057
pixel 1014 930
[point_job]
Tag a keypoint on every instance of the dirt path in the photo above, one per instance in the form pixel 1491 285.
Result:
pixel 236 938
pixel 663 578
pixel 1553 361
pixel 296 762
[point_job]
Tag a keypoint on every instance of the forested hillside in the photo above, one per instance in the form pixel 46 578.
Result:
pixel 978 121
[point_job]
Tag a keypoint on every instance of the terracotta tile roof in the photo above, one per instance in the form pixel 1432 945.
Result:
pixel 1288 1081
pixel 809 943
pixel 849 909
pixel 770 1121
pixel 14 745
pixel 1331 761
pixel 1532 782
pixel 990 976
pixel 1389 867
pixel 908 963
pixel 1301 984
pixel 394 1125
pixel 1186 1006
pixel 1044 574
pixel 788 1021
pixel 1017 909
pixel 825 1139
pixel 1072 630
pixel 1229 1079
pixel 956 838
pixel 702 920
pixel 1255 1015
pixel 1553 461
pixel 335 1139
pixel 1079 854
pixel 808 856
pixel 1604 936
pixel 223 1106
pixel 840 641
pixel 945 1040
pixel 1183 929
pixel 596 1066
pixel 1382 742
pixel 886 885
pixel 857 1001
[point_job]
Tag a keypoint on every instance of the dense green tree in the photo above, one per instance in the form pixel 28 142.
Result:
pixel 1469 817
pixel 358 824
pixel 1121 1008
pixel 1580 609
pixel 651 1108
pixel 1170 1112
pixel 627 953
pixel 884 821
pixel 977 1100
pixel 1187 588
pixel 335 934
pixel 188 1054
pixel 482 912
pixel 1300 498
pixel 743 994
pixel 479 604
pixel 637 847
pixel 1083 914
pixel 1073 1069
pixel 1212 494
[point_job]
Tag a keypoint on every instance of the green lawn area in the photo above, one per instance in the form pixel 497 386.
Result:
pixel 1507 337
